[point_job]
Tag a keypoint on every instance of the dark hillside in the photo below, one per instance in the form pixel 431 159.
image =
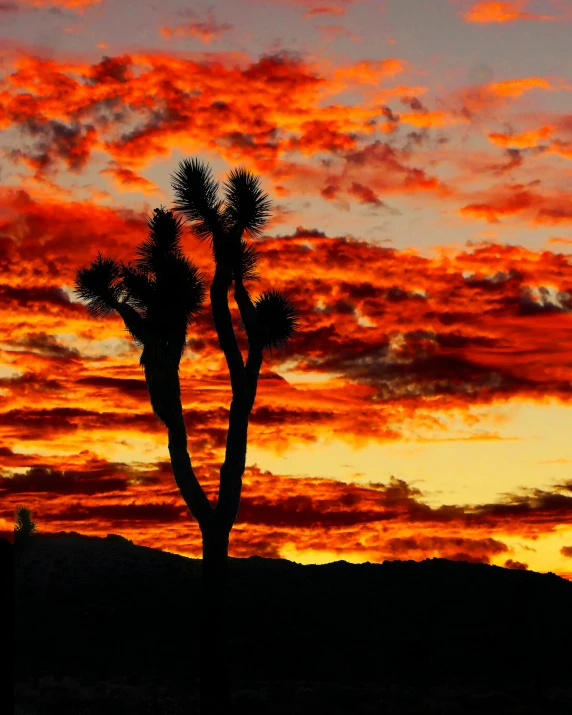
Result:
pixel 105 603
pixel 103 607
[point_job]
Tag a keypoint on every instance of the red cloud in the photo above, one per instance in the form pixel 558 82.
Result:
pixel 364 194
pixel 514 199
pixel 128 180
pixel 205 30
pixel 510 564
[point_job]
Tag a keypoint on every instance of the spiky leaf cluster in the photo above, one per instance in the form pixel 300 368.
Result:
pixel 197 196
pixel 164 289
pixel 177 293
pixel 165 234
pixel 99 285
pixel 245 209
pixel 162 292
pixel 246 206
pixel 245 259
pixel 278 319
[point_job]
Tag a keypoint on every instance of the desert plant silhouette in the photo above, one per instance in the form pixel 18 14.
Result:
pixel 24 528
pixel 158 297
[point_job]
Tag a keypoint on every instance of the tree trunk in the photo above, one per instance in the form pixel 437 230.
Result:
pixel 214 686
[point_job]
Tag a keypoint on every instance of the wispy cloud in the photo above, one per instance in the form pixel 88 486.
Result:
pixel 76 5
pixel 491 11
pixel 330 33
pixel 206 30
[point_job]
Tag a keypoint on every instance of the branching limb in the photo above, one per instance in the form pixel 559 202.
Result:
pixel 165 393
pixel 185 477
pixel 133 321
pixel 254 360
pixel 253 365
pixel 247 311
pixel 237 437
pixel 224 328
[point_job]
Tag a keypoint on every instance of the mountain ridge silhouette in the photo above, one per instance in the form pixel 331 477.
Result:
pixel 104 606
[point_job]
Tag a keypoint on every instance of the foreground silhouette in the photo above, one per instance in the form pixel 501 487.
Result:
pixel 94 608
pixel 24 528
pixel 158 298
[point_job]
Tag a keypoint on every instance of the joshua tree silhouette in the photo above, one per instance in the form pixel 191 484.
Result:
pixel 158 297
pixel 24 528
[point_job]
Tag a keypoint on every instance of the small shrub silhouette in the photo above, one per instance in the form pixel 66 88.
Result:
pixel 24 528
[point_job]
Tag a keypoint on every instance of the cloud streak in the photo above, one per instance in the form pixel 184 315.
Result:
pixel 491 11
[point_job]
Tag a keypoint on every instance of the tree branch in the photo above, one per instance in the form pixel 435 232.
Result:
pixel 132 319
pixel 254 360
pixel 234 464
pixel 185 477
pixel 253 365
pixel 247 310
pixel 224 328
pixel 165 393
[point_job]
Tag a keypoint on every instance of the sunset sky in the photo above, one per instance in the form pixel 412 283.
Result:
pixel 418 154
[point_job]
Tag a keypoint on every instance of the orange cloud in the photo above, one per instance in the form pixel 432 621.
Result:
pixel 562 147
pixel 490 11
pixel 487 101
pixel 78 5
pixel 369 71
pixel 325 10
pixel 516 87
pixel 429 119
pixel 524 140
pixel 534 138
